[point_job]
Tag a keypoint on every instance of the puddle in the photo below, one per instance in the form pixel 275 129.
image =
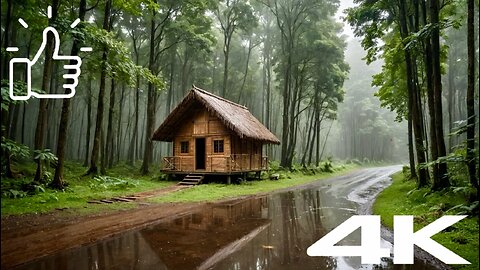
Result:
pixel 270 232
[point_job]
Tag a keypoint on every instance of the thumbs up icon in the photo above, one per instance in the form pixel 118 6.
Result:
pixel 73 68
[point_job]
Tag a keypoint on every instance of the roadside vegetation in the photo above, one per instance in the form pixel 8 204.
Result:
pixel 23 195
pixel 295 177
pixel 403 198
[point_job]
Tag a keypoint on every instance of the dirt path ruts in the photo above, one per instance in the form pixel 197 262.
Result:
pixel 25 238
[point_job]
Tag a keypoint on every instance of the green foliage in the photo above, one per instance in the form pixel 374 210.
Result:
pixel 371 20
pixel 274 165
pixel 19 89
pixel 118 65
pixel 327 166
pixel 19 188
pixel 406 172
pixel 45 159
pixel 212 192
pixel 36 198
pixel 377 22
pixel 392 80
pixel 111 183
pixel 13 193
pixel 14 149
pixel 45 155
pixel 457 164
pixel 235 14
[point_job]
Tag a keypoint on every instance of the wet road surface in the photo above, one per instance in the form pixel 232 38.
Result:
pixel 261 232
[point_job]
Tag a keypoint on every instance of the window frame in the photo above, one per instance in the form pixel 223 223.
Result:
pixel 184 144
pixel 217 146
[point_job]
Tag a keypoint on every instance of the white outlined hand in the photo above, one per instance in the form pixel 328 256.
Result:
pixel 72 75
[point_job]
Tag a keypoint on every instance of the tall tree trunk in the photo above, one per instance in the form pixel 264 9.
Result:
pixel 414 100
pixel 133 142
pixel 294 111
pixel 170 84
pixel 4 59
pixel 6 41
pixel 431 109
pixel 317 144
pixel 315 132
pixel 451 99
pixel 43 106
pixel 101 93
pixel 268 99
pixel 285 116
pixel 419 138
pixel 78 156
pixel 250 48
pixel 24 114
pixel 471 158
pixel 58 181
pixel 132 149
pixel 411 155
pixel 185 73
pixel 226 53
pixel 442 181
pixel 110 132
pixel 119 125
pixel 308 139
pixel 326 138
pixel 14 122
pixel 147 154
pixel 103 153
pixel 89 121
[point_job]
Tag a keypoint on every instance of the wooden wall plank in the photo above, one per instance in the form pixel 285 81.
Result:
pixel 203 124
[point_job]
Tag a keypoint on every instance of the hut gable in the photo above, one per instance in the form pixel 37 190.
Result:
pixel 235 117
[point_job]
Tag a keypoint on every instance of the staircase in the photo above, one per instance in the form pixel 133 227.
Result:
pixel 192 180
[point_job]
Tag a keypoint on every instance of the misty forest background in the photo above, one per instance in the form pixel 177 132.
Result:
pixel 294 64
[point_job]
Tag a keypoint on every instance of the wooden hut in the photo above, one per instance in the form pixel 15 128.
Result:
pixel 212 135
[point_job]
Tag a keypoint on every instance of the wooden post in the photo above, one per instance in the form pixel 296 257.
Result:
pixel 229 179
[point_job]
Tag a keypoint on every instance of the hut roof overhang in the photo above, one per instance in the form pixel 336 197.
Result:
pixel 234 116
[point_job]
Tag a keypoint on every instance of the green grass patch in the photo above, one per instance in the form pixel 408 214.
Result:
pixel 121 180
pixel 402 198
pixel 213 192
pixel 126 180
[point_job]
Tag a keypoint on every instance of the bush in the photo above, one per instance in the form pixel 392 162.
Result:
pixel 19 188
pixel 327 166
pixel 354 161
pixel 100 183
pixel 406 172
pixel 274 165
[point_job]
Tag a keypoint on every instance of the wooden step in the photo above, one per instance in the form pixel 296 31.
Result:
pixel 187 184
pixel 106 201
pixel 115 199
pixel 121 199
pixel 192 180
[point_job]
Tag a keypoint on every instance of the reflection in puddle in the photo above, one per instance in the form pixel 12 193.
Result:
pixel 271 232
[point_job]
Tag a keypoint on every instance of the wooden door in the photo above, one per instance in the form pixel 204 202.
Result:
pixel 200 154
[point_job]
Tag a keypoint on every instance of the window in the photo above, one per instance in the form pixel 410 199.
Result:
pixel 184 147
pixel 217 146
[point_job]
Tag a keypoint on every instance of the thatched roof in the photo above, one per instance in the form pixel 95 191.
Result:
pixel 235 117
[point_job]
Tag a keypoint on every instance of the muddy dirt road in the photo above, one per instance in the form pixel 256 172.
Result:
pixel 270 231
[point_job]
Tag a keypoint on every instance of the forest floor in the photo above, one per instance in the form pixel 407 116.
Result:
pixel 58 228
